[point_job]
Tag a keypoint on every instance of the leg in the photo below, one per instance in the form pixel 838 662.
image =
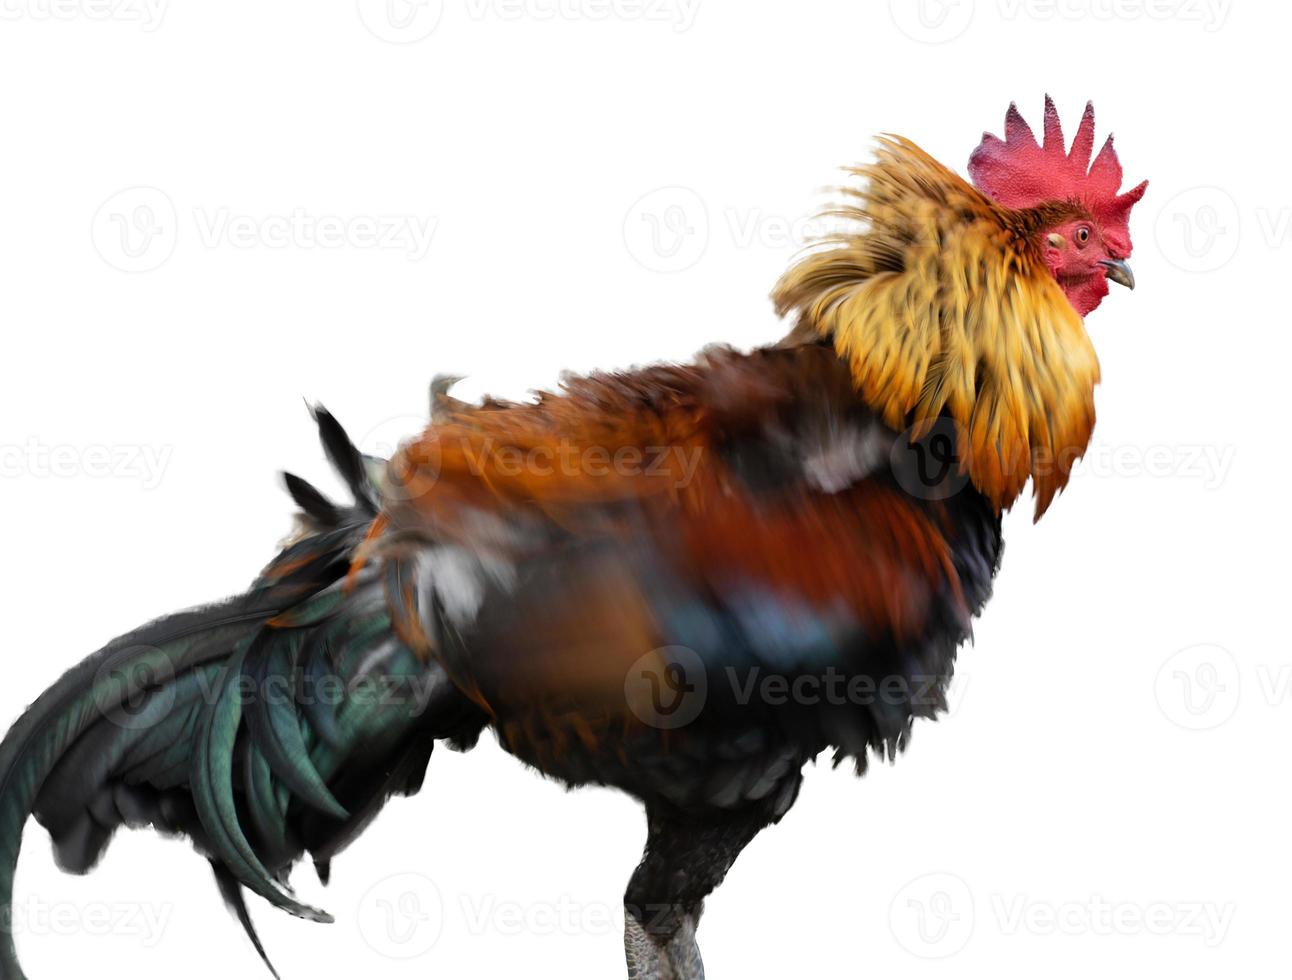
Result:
pixel 686 858
pixel 652 958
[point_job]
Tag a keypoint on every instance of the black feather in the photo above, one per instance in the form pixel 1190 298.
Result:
pixel 231 892
pixel 347 459
pixel 311 500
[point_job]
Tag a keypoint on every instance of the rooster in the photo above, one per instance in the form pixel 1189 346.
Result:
pixel 600 575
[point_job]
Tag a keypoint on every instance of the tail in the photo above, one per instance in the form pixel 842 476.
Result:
pixel 270 725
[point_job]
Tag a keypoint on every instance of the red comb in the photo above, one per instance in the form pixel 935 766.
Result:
pixel 1020 173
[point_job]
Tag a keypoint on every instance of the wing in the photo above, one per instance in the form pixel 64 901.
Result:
pixel 751 521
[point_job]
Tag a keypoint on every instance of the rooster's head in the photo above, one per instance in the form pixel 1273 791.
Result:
pixel 1084 252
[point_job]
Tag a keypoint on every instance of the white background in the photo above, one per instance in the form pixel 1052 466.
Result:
pixel 1108 797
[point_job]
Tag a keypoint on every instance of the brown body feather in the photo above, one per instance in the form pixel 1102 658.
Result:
pixel 488 479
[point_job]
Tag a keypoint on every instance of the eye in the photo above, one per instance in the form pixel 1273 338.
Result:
pixel 1083 235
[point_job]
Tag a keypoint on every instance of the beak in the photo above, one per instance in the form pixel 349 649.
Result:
pixel 1119 272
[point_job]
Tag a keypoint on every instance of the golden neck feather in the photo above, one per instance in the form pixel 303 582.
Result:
pixel 941 304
